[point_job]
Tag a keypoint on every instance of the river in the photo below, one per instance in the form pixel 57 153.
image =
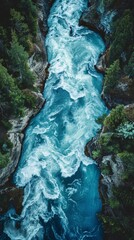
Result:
pixel 61 196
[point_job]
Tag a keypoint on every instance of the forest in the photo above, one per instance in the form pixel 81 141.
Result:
pixel 18 30
pixel 115 144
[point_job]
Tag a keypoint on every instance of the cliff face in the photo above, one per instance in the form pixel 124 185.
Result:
pixel 38 65
pixel 98 17
pixel 44 7
pixel 110 20
pixel 113 147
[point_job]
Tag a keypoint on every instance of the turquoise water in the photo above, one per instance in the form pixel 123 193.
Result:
pixel 60 183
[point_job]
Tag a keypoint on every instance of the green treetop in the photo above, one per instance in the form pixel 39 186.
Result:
pixel 112 76
pixel 19 64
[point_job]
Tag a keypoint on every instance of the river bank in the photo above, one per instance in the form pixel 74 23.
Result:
pixel 113 147
pixel 39 66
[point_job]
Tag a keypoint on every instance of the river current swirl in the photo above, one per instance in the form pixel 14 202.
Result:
pixel 60 183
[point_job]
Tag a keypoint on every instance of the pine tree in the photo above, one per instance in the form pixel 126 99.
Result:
pixel 112 76
pixel 19 64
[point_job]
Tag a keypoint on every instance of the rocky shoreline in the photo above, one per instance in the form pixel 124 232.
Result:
pixel 9 193
pixel 111 165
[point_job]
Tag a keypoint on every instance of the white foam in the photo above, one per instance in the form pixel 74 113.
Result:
pixel 55 140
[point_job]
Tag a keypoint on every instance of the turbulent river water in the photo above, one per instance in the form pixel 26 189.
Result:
pixel 61 196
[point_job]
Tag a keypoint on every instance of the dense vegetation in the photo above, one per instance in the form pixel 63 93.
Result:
pixel 117 144
pixel 114 147
pixel 120 70
pixel 18 29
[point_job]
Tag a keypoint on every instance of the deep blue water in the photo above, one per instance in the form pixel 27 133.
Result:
pixel 60 183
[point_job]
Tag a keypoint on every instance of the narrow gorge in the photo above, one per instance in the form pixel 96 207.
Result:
pixel 61 196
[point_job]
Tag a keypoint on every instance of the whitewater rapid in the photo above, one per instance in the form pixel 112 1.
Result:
pixel 60 183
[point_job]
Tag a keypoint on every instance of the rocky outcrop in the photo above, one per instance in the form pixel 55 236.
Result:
pixel 10 193
pixel 122 93
pixel 91 19
pixel 90 146
pixel 44 8
pixel 16 135
pixel 116 169
pixel 129 111
pixel 101 64
pixel 98 18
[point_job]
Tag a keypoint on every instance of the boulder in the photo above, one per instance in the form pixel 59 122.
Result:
pixel 90 146
pixel 98 18
pixel 122 93
pixel 101 64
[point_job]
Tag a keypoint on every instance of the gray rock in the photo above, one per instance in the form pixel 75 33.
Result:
pixel 97 18
pixel 44 8
pixel 16 136
pixel 115 178
pixel 101 64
